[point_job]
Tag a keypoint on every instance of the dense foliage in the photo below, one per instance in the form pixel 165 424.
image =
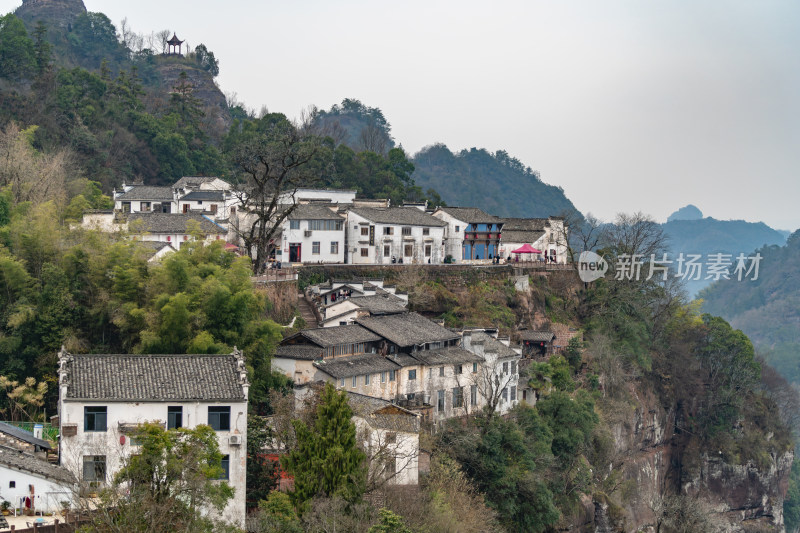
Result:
pixel 172 484
pixel 496 182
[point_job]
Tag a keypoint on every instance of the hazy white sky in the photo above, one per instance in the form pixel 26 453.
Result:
pixel 628 105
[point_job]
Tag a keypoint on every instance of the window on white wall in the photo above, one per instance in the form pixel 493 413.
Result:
pixel 94 468
pixel 335 247
pixel 315 248
pixel 94 418
pixel 294 224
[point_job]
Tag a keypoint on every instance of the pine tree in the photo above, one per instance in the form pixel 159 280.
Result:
pixel 327 461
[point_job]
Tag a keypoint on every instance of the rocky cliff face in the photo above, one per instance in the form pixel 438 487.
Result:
pixel 60 13
pixel 736 498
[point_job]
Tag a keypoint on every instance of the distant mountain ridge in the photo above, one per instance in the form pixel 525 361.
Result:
pixel 710 236
pixel 767 309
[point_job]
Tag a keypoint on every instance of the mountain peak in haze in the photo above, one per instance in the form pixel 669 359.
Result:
pixel 690 212
pixel 60 13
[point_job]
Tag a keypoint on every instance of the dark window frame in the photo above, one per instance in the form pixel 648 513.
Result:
pixel 95 418
pixel 174 416
pixel 219 417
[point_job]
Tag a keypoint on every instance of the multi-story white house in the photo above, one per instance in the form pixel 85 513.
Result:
pixel 548 235
pixel 404 358
pixel 104 398
pixel 497 381
pixel 471 234
pixel 313 233
pixel 406 235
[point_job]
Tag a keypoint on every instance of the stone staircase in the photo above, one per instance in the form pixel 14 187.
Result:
pixel 306 311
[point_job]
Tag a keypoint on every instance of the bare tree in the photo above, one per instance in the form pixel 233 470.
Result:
pixel 389 454
pixel 373 139
pixel 32 177
pixel 491 381
pixel 635 234
pixel 160 40
pixel 274 165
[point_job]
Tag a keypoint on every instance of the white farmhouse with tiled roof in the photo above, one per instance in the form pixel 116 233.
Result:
pixel 548 235
pixel 144 199
pixel 407 234
pixel 103 398
pixel 312 233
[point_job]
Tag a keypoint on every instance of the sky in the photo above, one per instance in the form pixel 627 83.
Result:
pixel 627 105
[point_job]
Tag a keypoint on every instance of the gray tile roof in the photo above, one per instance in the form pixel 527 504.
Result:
pixel 522 236
pixel 407 329
pixel 211 196
pixel 153 377
pixel 525 224
pixel 147 193
pixel 383 414
pixel 303 352
pixel 356 365
pixel 314 212
pixel 537 336
pixel 445 356
pixel 471 215
pixel 172 223
pixel 492 345
pixel 26 462
pixel 25 436
pixel 380 304
pixel 410 216
pixel 192 181
pixel 326 337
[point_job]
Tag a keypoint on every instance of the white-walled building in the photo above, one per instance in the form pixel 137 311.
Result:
pixel 22 475
pixel 390 435
pixel 347 311
pixel 549 235
pixel 104 398
pixel 144 199
pixel 312 233
pixel 330 196
pixel 471 234
pixel 498 379
pixel 174 229
pixel 407 234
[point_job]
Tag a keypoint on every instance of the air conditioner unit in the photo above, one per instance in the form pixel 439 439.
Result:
pixel 235 440
pixel 307 233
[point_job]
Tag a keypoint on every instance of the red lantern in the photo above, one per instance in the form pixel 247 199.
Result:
pixel 122 439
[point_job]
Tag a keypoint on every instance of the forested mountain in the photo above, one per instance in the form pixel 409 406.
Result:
pixel 710 236
pixel 767 309
pixel 495 182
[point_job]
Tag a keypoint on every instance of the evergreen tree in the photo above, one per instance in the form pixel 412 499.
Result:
pixel 327 461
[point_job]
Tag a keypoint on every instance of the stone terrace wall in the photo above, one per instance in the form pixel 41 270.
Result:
pixel 450 275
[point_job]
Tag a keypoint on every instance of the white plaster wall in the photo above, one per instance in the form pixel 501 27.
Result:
pixel 47 493
pixel 386 390
pixel 108 443
pixel 405 450
pixel 324 237
pixel 396 243
pixel 453 239
pixel 100 222
pixel 301 371
pixel 202 205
